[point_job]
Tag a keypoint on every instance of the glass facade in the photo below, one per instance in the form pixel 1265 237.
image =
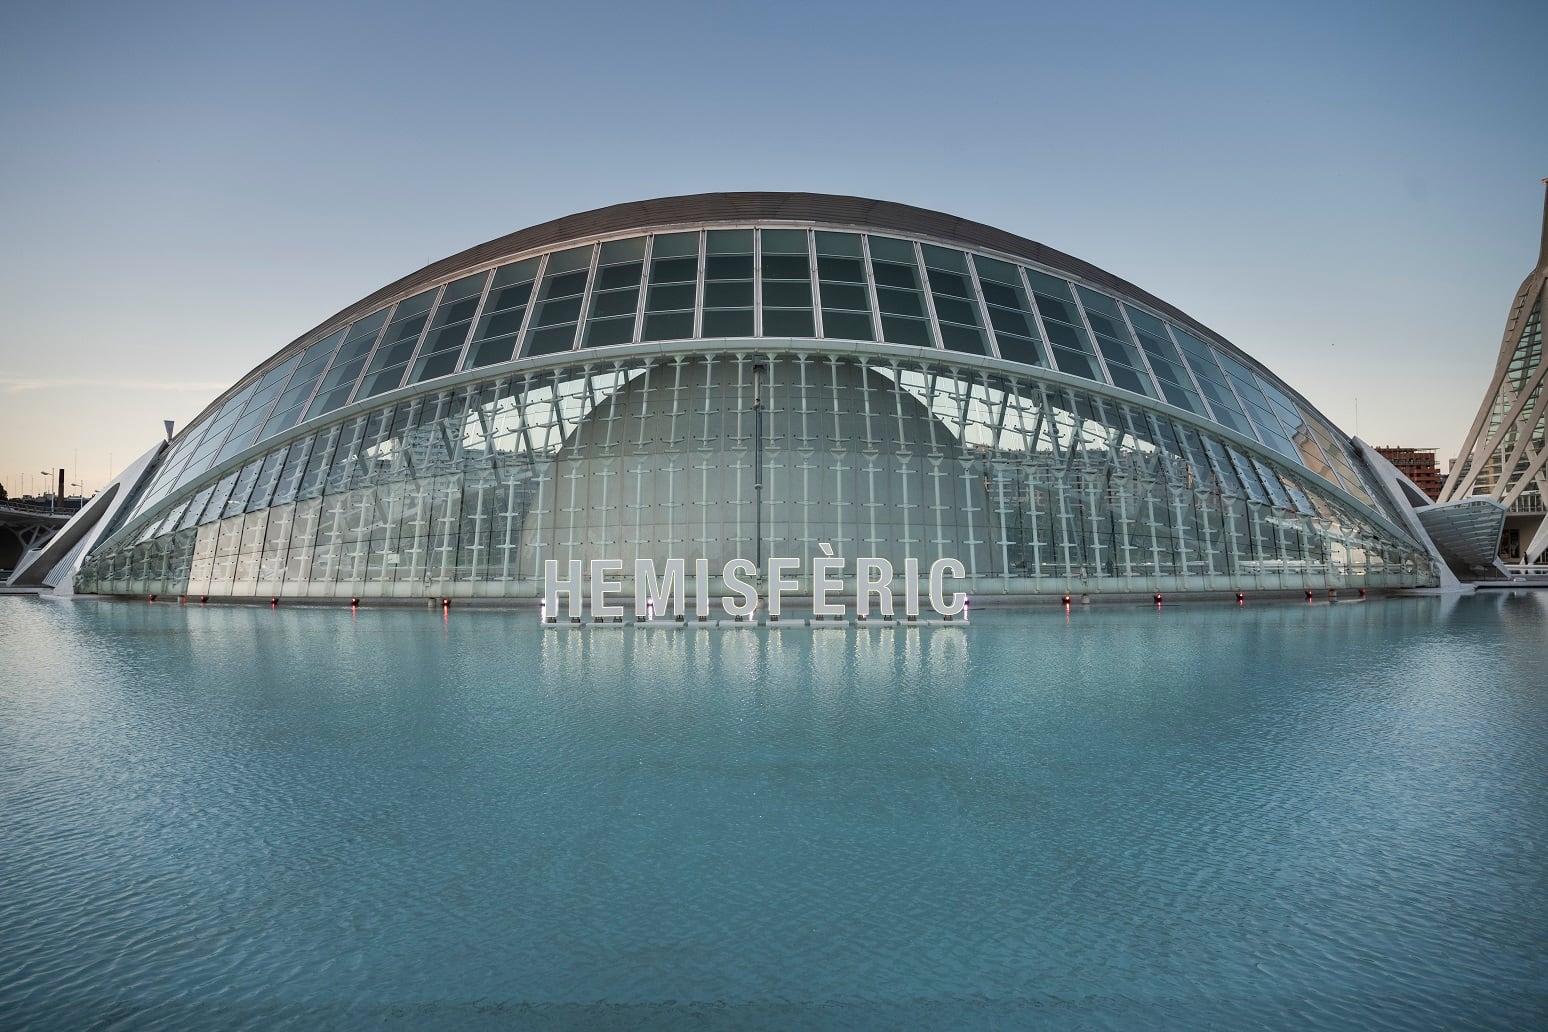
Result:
pixel 595 400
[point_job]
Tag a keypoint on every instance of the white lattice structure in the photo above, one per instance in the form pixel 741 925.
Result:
pixel 1505 456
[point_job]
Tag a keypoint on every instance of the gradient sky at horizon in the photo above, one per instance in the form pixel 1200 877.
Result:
pixel 1348 192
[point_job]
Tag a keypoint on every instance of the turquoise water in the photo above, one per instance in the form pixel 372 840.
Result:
pixel 1280 816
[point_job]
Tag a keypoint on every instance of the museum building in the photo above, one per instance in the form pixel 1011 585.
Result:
pixel 747 375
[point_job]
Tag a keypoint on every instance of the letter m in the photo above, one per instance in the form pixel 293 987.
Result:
pixel 668 589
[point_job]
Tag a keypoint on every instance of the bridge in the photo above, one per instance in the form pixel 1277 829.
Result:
pixel 27 523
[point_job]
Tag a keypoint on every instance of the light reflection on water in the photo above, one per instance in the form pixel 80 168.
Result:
pixel 1278 815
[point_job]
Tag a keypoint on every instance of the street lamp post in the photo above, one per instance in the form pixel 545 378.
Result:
pixel 48 480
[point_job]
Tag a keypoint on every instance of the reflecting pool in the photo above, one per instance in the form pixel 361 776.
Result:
pixel 1278 816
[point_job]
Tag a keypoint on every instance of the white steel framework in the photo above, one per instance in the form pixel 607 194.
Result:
pixel 1505 455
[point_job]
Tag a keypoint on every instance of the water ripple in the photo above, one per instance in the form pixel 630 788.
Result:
pixel 1276 817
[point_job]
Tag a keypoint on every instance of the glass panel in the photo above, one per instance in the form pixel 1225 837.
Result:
pixel 268 474
pixel 669 297
pixel 1074 362
pixel 605 332
pixel 616 297
pixel 554 319
pixel 788 322
pixel 847 297
pixel 219 498
pixel 899 292
pixel 169 521
pixel 1124 364
pixel 671 325
pixel 413 307
pixel 841 244
pixel 846 325
pixel 574 259
pixel 452 312
pixel 339 382
pixel 287 412
pixel 195 508
pixel 840 270
pixel 449 328
pixel 317 465
pixel 1223 405
pixel 787 284
pixel 728 283
pixel 726 322
pixel 1056 308
pixel 945 259
pixel 900 302
pixel 609 304
pixel 681 245
pixel 956 306
pixel 674 270
pixel 524 271
pixel 784 241
pixel 787 294
pixel 494 338
pixel 786 266
pixel 1042 283
pixel 901 330
pixel 618 252
pixel 1018 349
pixel 729 295
pixel 616 277
pixel 550 340
pixel 846 304
pixel 963 338
pixel 380 382
pixel 438 356
pixel 399 341
pixel 888 249
pixel 1182 398
pixel 258 408
pixel 290 476
pixel 242 489
pixel 1067 336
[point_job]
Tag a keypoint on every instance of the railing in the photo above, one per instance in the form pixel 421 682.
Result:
pixel 1527 569
pixel 43 506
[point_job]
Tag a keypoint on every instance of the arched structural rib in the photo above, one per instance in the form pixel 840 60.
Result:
pixel 1505 455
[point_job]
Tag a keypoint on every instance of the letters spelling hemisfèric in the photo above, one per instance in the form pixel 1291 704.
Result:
pixel 661 590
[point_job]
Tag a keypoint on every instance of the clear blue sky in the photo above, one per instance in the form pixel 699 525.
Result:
pixel 1348 191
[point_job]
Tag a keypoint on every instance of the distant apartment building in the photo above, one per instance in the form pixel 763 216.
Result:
pixel 1418 465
